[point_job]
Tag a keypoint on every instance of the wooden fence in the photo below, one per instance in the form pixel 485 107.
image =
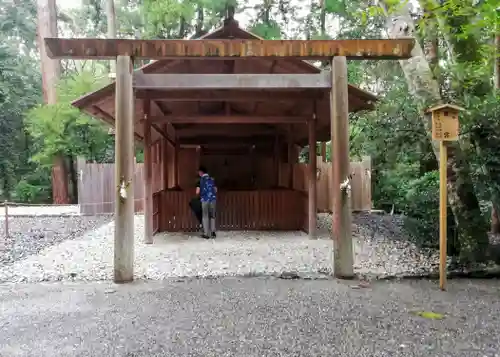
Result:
pixel 279 209
pixel 96 186
pixel 361 184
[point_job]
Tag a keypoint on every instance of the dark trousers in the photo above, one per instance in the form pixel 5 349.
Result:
pixel 195 205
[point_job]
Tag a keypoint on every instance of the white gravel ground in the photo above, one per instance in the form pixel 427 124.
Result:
pixel 232 253
pixel 28 235
pixel 49 210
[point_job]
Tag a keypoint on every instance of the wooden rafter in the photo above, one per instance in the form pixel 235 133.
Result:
pixel 221 130
pixel 92 48
pixel 227 141
pixel 223 119
pixel 169 132
pixel 232 81
pixel 108 118
pixel 225 95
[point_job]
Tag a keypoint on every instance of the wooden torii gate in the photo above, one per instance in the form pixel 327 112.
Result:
pixel 125 51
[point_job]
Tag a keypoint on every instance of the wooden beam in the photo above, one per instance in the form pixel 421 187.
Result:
pixel 290 158
pixel 166 133
pixel 242 151
pixel 232 81
pixel 148 174
pixel 276 160
pixel 109 119
pixel 227 141
pixel 341 225
pixel 223 119
pixel 165 163
pixel 124 175
pixel 159 130
pixel 312 195
pixel 253 166
pixel 323 151
pixel 227 95
pixel 177 148
pixel 225 130
pixel 93 48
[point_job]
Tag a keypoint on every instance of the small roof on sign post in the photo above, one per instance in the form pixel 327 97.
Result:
pixel 444 106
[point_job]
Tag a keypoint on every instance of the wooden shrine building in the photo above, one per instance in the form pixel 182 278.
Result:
pixel 240 105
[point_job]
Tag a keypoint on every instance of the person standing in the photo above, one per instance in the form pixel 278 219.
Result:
pixel 208 196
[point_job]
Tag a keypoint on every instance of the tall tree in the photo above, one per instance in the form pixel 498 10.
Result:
pixel 111 23
pixel 473 236
pixel 468 28
pixel 495 218
pixel 51 72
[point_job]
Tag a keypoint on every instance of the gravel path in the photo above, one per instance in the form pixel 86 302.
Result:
pixel 232 253
pixel 250 317
pixel 30 235
pixel 49 210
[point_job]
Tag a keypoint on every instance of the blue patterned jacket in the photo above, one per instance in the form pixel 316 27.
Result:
pixel 207 189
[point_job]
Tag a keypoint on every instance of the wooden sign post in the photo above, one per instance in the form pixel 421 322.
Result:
pixel 445 127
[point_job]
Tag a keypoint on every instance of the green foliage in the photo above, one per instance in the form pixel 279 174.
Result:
pixel 421 207
pixel 18 91
pixel 35 187
pixel 335 6
pixel 63 129
pixel 182 19
pixel 268 31
pixel 165 18
pixel 18 24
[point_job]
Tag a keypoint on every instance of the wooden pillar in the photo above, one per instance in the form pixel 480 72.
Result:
pixel 291 158
pixel 323 151
pixel 312 198
pixel 148 174
pixel 341 225
pixel 276 161
pixel 124 174
pixel 176 162
pixel 165 162
pixel 253 165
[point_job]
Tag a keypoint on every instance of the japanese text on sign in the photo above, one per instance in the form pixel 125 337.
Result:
pixel 444 127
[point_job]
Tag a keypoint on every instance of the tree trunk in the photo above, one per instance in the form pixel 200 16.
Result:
pixel 74 179
pixel 51 72
pixel 431 44
pixel 111 33
pixel 51 69
pixel 322 18
pixel 60 194
pixel 495 219
pixel 472 229
pixel 466 49
pixel 182 28
pixel 200 21
pixel 497 59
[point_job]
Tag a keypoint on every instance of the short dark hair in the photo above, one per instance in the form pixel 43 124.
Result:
pixel 202 169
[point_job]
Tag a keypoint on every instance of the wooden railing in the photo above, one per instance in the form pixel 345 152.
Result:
pixel 236 210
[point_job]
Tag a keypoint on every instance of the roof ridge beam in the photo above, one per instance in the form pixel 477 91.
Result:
pixel 93 48
pixel 240 81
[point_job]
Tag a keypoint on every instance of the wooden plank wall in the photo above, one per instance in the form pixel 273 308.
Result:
pixel 236 210
pixel 361 193
pixel 97 187
pixel 96 181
